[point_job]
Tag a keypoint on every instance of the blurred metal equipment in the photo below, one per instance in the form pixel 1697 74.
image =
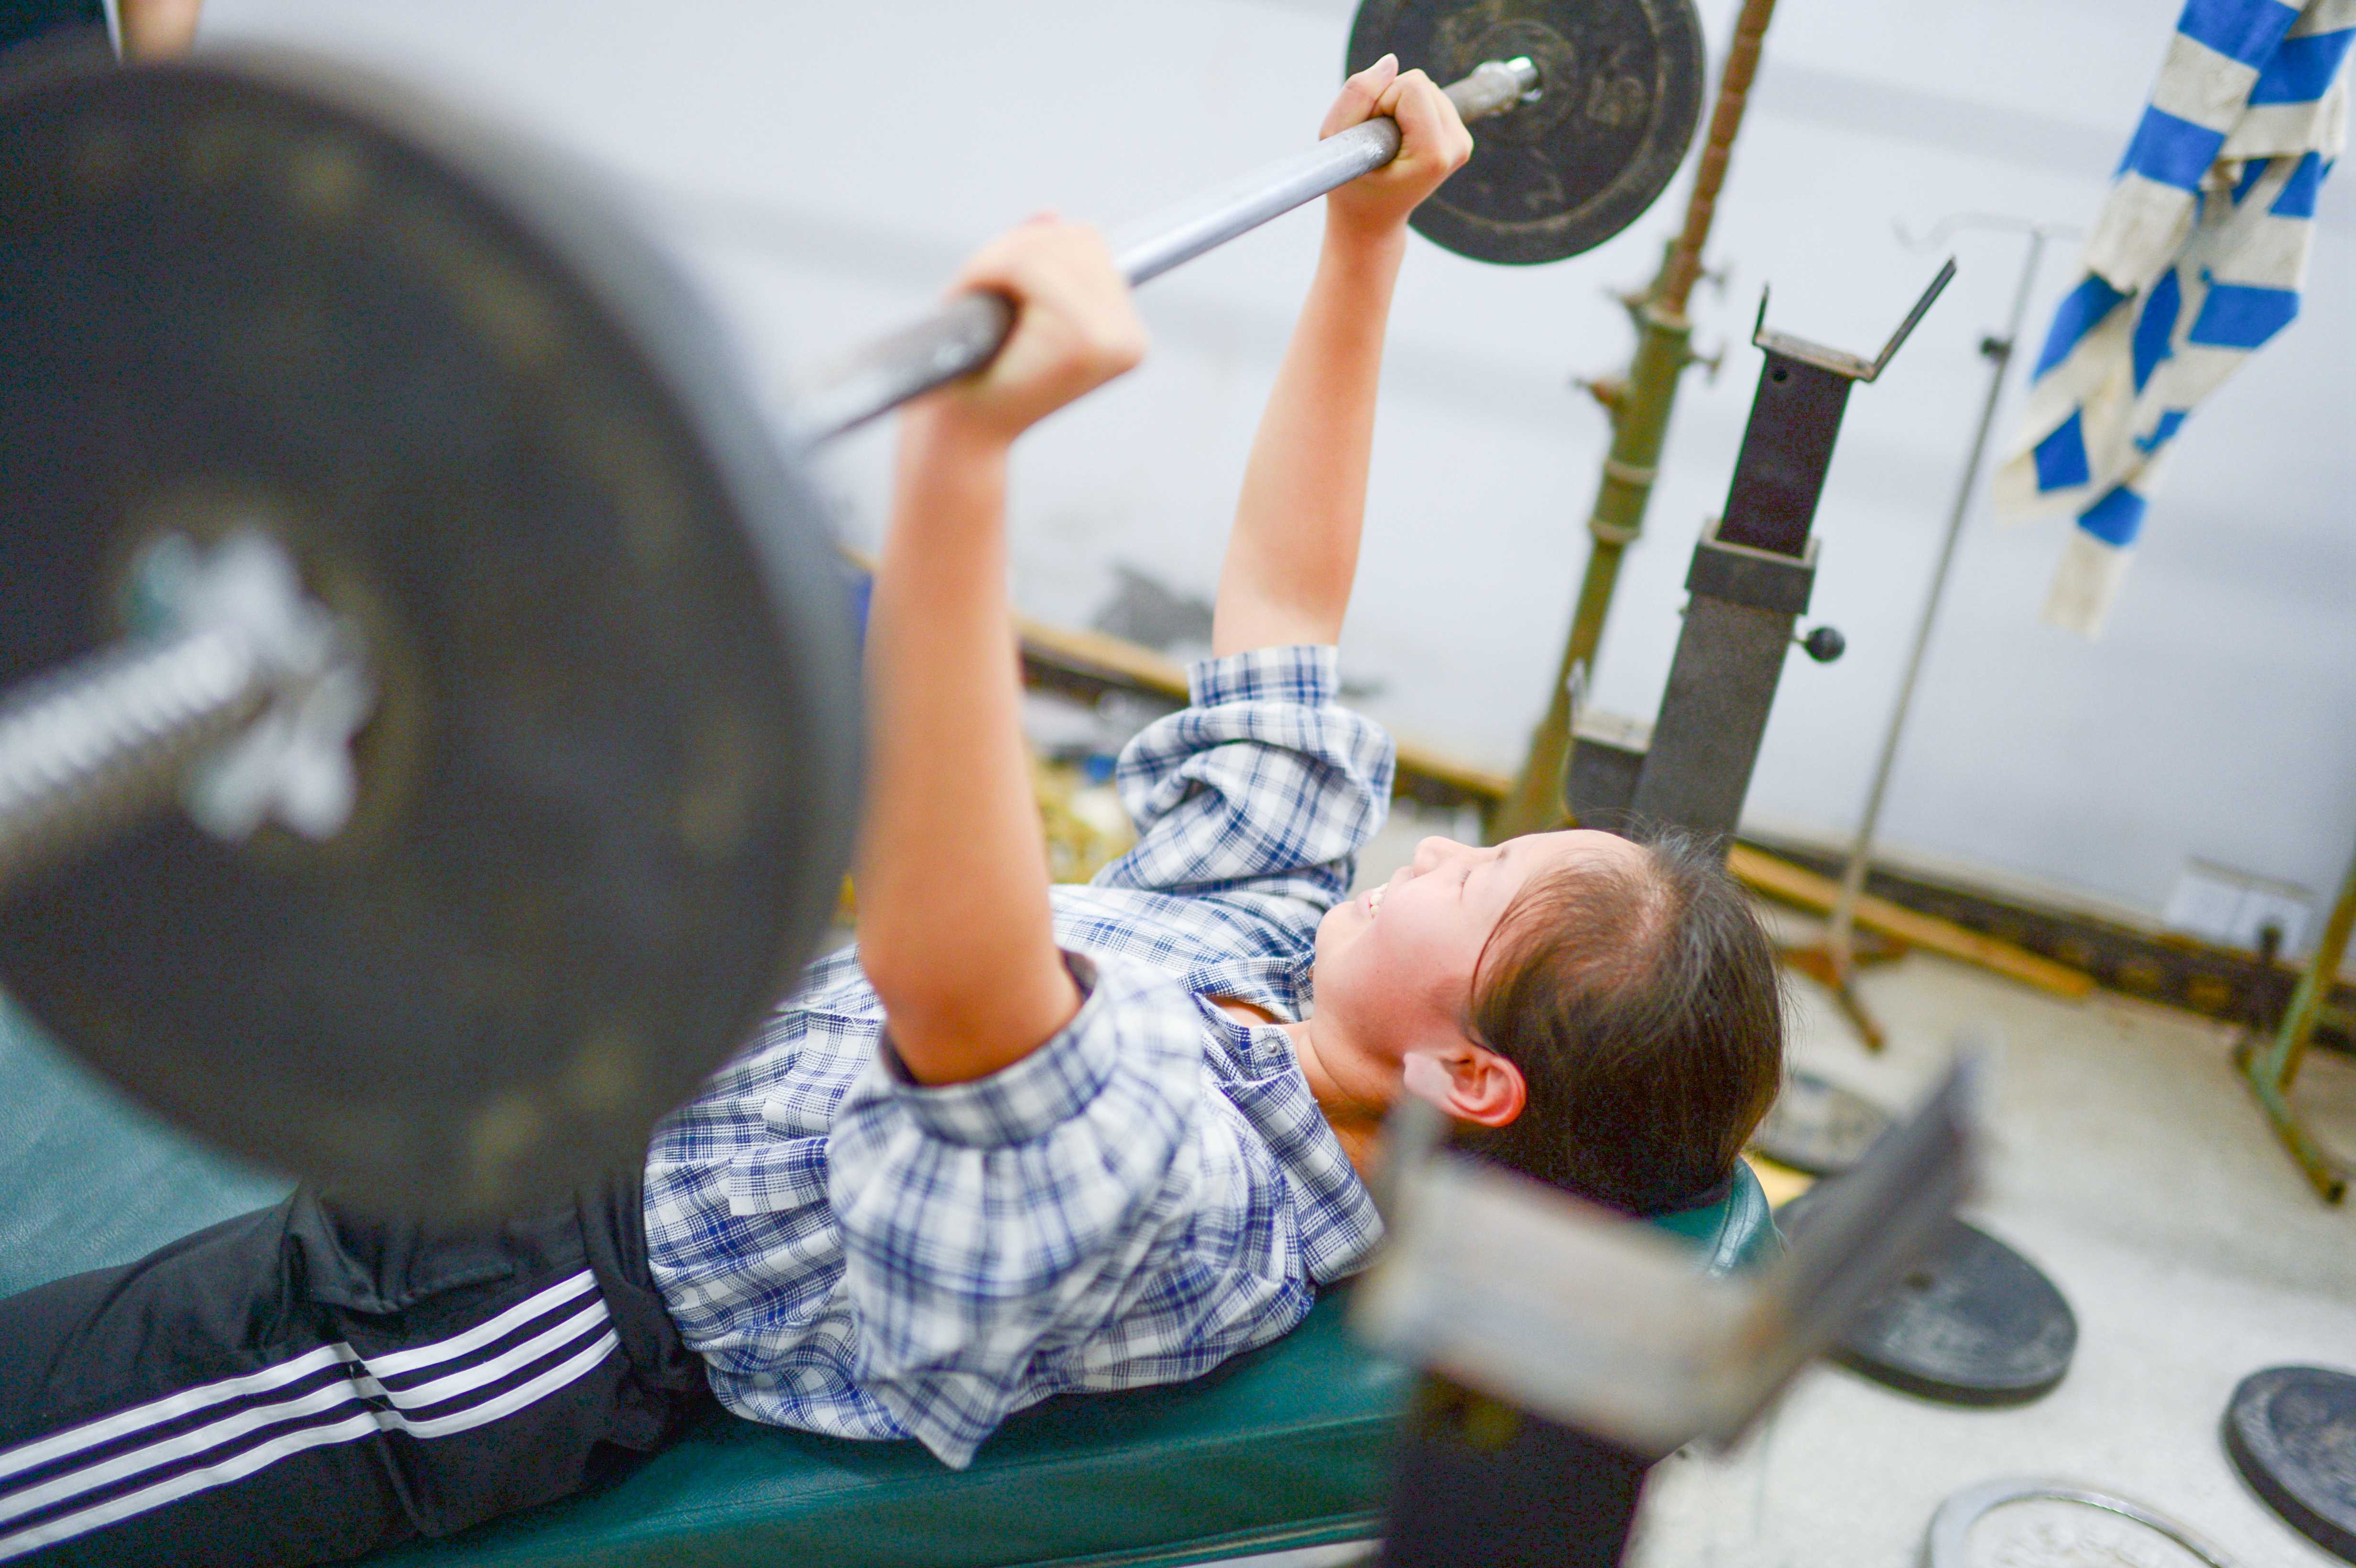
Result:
pixel 1623 94
pixel 383 501
pixel 2290 1431
pixel 1834 964
pixel 2269 1067
pixel 1639 405
pixel 1596 1343
pixel 1752 576
pixel 1950 1543
pixel 1974 1323
pixel 432 722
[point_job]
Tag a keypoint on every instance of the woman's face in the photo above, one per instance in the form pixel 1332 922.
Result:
pixel 1395 963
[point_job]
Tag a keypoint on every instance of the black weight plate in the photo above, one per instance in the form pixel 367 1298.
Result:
pixel 2291 1432
pixel 1620 93
pixel 1819 1128
pixel 1977 1324
pixel 605 794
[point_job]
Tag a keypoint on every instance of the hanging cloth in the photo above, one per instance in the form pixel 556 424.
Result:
pixel 2196 260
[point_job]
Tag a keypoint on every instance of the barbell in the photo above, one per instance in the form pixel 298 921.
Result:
pixel 429 732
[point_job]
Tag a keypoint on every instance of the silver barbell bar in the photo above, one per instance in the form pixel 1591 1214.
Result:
pixel 242 708
pixel 963 336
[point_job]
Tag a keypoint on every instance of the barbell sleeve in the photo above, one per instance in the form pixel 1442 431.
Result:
pixel 104 743
pixel 963 335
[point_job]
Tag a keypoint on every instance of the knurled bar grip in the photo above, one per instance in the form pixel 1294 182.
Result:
pixel 104 741
pixel 963 336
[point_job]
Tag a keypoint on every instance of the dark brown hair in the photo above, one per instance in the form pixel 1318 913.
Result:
pixel 1645 1011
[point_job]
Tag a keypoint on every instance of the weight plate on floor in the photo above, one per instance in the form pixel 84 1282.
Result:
pixel 2291 1432
pixel 605 797
pixel 2025 1522
pixel 1819 1128
pixel 1975 1323
pixel 1621 87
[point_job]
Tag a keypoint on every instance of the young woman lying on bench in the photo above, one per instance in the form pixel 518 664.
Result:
pixel 1022 1140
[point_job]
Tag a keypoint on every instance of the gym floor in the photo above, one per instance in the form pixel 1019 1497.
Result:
pixel 2129 1164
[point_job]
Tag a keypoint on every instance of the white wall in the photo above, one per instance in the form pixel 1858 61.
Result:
pixel 823 168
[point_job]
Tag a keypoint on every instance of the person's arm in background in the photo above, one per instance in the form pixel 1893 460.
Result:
pixel 955 927
pixel 1294 552
pixel 157 29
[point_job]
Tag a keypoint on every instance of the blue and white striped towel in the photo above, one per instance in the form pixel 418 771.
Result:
pixel 2196 260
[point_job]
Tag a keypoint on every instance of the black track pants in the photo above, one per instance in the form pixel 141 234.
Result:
pixel 299 1385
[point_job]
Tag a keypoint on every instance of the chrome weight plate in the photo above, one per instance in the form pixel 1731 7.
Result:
pixel 2032 1523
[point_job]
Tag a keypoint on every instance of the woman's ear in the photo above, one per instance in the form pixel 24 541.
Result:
pixel 1471 1082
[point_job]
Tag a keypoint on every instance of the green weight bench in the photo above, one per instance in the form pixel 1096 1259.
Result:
pixel 1286 1446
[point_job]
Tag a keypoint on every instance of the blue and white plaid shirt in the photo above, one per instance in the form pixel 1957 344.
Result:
pixel 1149 1192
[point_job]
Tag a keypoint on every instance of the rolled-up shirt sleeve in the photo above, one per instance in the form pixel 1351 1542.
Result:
pixel 1097 1215
pixel 1263 784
